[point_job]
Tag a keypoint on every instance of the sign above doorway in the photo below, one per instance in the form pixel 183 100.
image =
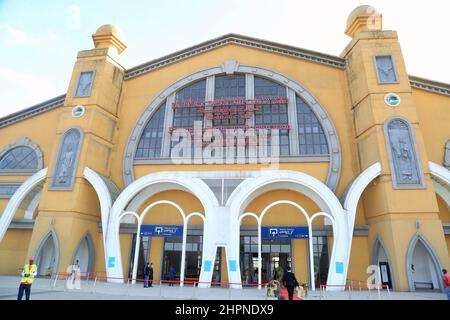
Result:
pixel 284 232
pixel 151 230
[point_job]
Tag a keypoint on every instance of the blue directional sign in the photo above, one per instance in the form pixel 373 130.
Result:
pixel 152 230
pixel 284 232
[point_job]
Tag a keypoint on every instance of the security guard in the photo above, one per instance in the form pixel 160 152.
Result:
pixel 28 273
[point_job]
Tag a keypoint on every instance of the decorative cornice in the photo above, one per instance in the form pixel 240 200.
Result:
pixel 32 111
pixel 430 85
pixel 264 45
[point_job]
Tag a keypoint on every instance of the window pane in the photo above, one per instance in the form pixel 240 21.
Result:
pixel 149 145
pixel 274 114
pixel 19 158
pixel 84 84
pixel 311 136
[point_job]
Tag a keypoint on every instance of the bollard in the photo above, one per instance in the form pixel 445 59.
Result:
pixel 95 282
pixel 128 286
pixel 56 279
pixel 194 295
pixel 160 288
pixel 389 293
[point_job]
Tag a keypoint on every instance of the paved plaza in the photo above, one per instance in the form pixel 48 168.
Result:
pixel 43 289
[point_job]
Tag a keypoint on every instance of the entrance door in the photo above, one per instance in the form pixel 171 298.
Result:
pixel 274 253
pixel 385 274
pixel 171 258
pixel 273 261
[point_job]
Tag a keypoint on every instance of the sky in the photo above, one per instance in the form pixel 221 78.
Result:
pixel 39 40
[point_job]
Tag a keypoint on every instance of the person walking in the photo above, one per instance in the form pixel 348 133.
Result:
pixel 446 280
pixel 150 275
pixel 146 274
pixel 171 275
pixel 290 282
pixel 29 271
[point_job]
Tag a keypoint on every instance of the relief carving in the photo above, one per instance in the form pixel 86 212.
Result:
pixel 404 160
pixel 67 156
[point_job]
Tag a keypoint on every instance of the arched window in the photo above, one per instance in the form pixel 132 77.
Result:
pixel 19 158
pixel 151 140
pixel 227 112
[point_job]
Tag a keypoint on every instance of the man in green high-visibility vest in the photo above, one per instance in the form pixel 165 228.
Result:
pixel 29 271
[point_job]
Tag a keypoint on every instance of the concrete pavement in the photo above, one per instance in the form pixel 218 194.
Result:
pixel 90 290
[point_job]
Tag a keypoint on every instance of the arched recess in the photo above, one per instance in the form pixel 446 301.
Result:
pixel 47 254
pixel 430 266
pixel 329 129
pixel 379 251
pixel 85 254
pixel 134 196
pixel 317 192
pixel 16 200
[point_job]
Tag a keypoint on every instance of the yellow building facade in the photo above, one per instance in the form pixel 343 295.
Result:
pixel 230 159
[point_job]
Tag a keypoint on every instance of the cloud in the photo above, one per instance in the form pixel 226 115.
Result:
pixel 16 37
pixel 22 89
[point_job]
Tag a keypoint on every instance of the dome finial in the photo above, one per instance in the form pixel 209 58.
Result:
pixel 363 18
pixel 109 36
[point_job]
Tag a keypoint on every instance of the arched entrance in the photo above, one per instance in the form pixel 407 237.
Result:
pixel 301 227
pixel 136 194
pixel 47 255
pixel 84 254
pixel 381 259
pixel 286 223
pixel 423 266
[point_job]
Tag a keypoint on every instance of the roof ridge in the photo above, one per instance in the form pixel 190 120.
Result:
pixel 33 110
pixel 304 54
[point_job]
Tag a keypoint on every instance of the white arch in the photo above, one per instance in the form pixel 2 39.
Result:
pixel 161 181
pixel 305 214
pixel 17 199
pixel 443 192
pixel 104 198
pixel 316 191
pixel 138 237
pixel 441 177
pixel 356 189
pixel 195 214
pixel 32 206
pixel 248 214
